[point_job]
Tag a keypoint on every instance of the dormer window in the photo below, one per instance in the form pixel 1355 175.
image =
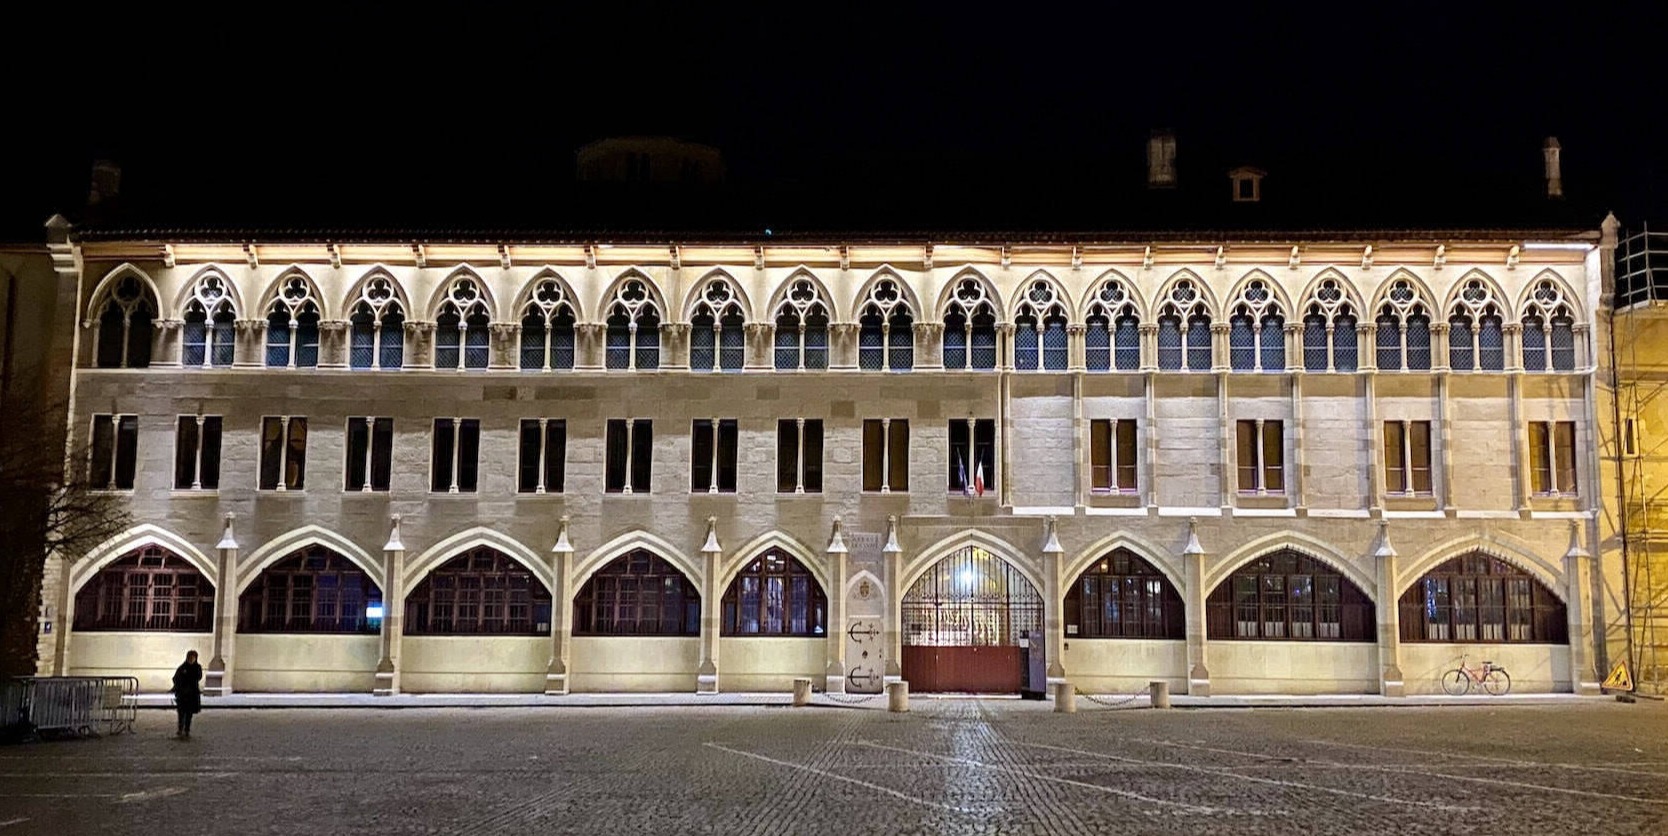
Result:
pixel 1247 183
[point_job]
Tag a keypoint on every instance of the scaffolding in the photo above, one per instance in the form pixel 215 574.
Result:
pixel 1639 331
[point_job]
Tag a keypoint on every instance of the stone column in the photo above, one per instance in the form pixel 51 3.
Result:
pixel 929 345
pixel 249 343
pixel 1220 355
pixel 1389 616
pixel 674 345
pixel 842 345
pixel 504 350
pixel 1294 348
pixel 835 675
pixel 590 345
pixel 892 554
pixel 1578 569
pixel 419 345
pixel 1053 558
pixel 1511 338
pixel 761 346
pixel 217 677
pixel 1441 361
pixel 561 622
pixel 1076 347
pixel 1004 347
pixel 1193 562
pixel 1149 346
pixel 1366 347
pixel 333 344
pixel 393 612
pixel 706 679
pixel 167 336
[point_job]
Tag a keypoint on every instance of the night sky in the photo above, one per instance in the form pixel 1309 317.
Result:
pixel 472 118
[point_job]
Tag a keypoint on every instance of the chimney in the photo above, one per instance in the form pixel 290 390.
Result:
pixel 1161 160
pixel 104 195
pixel 1554 174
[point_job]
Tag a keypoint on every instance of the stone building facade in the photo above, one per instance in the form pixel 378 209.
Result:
pixel 1297 463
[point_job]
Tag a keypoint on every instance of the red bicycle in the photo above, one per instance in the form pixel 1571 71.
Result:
pixel 1492 677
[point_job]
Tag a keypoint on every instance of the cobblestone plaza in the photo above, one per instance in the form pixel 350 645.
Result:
pixel 949 766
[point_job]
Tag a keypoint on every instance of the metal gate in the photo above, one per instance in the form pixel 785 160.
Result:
pixel 965 625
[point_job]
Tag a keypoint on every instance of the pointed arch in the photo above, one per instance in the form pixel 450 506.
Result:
pixel 952 290
pixel 1496 293
pixel 107 285
pixel 1131 295
pixel 1301 543
pixel 275 288
pixel 924 560
pixel 1527 298
pixel 1257 274
pixel 547 274
pixel 296 539
pixel 882 273
pixel 1213 305
pixel 1422 292
pixel 803 273
pixel 1549 573
pixel 1062 295
pixel 1352 294
pixel 697 292
pixel 629 542
pixel 858 577
pixel 138 537
pixel 442 292
pixel 735 561
pixel 210 272
pixel 372 273
pixel 1141 547
pixel 438 554
pixel 630 274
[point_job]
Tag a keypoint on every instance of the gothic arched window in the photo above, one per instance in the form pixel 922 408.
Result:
pixel 1184 329
pixel 1329 336
pixel 1112 333
pixel 125 326
pixel 1548 330
pixel 1040 329
pixel 1404 330
pixel 774 596
pixel 886 330
pixel 1476 338
pixel 801 329
pixel 210 334
pixel 1256 330
pixel 633 324
pixel 461 338
pixel 292 326
pixel 1287 596
pixel 969 327
pixel 638 594
pixel 1478 598
pixel 547 328
pixel 377 339
pixel 717 333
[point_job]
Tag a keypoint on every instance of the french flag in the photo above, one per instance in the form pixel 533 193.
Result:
pixel 979 478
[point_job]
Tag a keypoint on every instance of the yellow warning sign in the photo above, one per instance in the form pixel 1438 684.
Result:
pixel 1619 679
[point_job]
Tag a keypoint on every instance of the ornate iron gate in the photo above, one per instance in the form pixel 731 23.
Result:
pixel 965 622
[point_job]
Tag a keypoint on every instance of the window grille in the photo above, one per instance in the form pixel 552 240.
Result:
pixel 774 596
pixel 292 326
pixel 633 328
pixel 480 592
pixel 638 594
pixel 378 327
pixel 1287 596
pixel 1122 596
pixel 147 590
pixel 461 327
pixel 210 329
pixel 972 314
pixel 125 326
pixel 1478 598
pixel 312 590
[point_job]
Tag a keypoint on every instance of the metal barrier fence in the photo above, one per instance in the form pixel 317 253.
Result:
pixel 85 706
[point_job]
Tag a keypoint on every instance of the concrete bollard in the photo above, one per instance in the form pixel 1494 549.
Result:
pixel 1065 698
pixel 801 691
pixel 897 696
pixel 1160 693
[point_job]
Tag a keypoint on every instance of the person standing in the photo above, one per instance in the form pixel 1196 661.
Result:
pixel 188 693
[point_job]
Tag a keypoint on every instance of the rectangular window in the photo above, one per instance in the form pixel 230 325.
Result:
pixel 1552 457
pixel 370 453
pixel 1261 449
pixel 886 454
pixel 1407 457
pixel 713 456
pixel 1112 455
pixel 630 446
pixel 197 452
pixel 283 453
pixel 115 452
pixel 799 455
pixel 972 470
pixel 544 447
pixel 1630 437
pixel 455 460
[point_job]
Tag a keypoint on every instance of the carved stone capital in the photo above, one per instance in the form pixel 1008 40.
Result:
pixel 674 329
pixel 1076 329
pixel 419 328
pixel 170 324
pixel 1220 327
pixel 1006 329
pixel 332 326
pixel 759 329
pixel 591 329
pixel 245 326
pixel 1147 328
pixel 1511 329
pixel 929 329
pixel 845 329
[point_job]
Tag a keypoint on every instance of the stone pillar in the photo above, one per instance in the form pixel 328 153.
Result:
pixel 1366 346
pixel 712 554
pixel 1227 483
pixel 929 345
pixel 835 675
pixel 892 554
pixel 1076 348
pixel 419 345
pixel 1149 346
pixel 1004 347
pixel 760 346
pixel 393 612
pixel 249 343
pixel 1441 360
pixel 1511 337
pixel 1389 617
pixel 1578 569
pixel 1294 348
pixel 1054 600
pixel 1219 348
pixel 167 336
pixel 842 345
pixel 504 348
pixel 674 345
pixel 590 345
pixel 561 622
pixel 333 344
pixel 1193 563
pixel 217 676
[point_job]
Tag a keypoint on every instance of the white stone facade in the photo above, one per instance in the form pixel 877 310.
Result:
pixel 1334 506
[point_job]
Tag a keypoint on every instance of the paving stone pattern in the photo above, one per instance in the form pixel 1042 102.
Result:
pixel 949 766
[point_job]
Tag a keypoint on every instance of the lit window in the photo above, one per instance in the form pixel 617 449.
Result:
pixel 1112 455
pixel 1552 458
pixel 774 596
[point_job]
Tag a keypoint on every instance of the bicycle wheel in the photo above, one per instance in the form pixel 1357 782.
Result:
pixel 1456 682
pixel 1497 682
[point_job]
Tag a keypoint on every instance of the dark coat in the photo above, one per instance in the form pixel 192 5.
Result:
pixel 188 694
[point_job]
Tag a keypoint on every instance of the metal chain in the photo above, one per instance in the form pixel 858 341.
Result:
pixel 1108 703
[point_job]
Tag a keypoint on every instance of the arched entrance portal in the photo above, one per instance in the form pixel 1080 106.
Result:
pixel 966 624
